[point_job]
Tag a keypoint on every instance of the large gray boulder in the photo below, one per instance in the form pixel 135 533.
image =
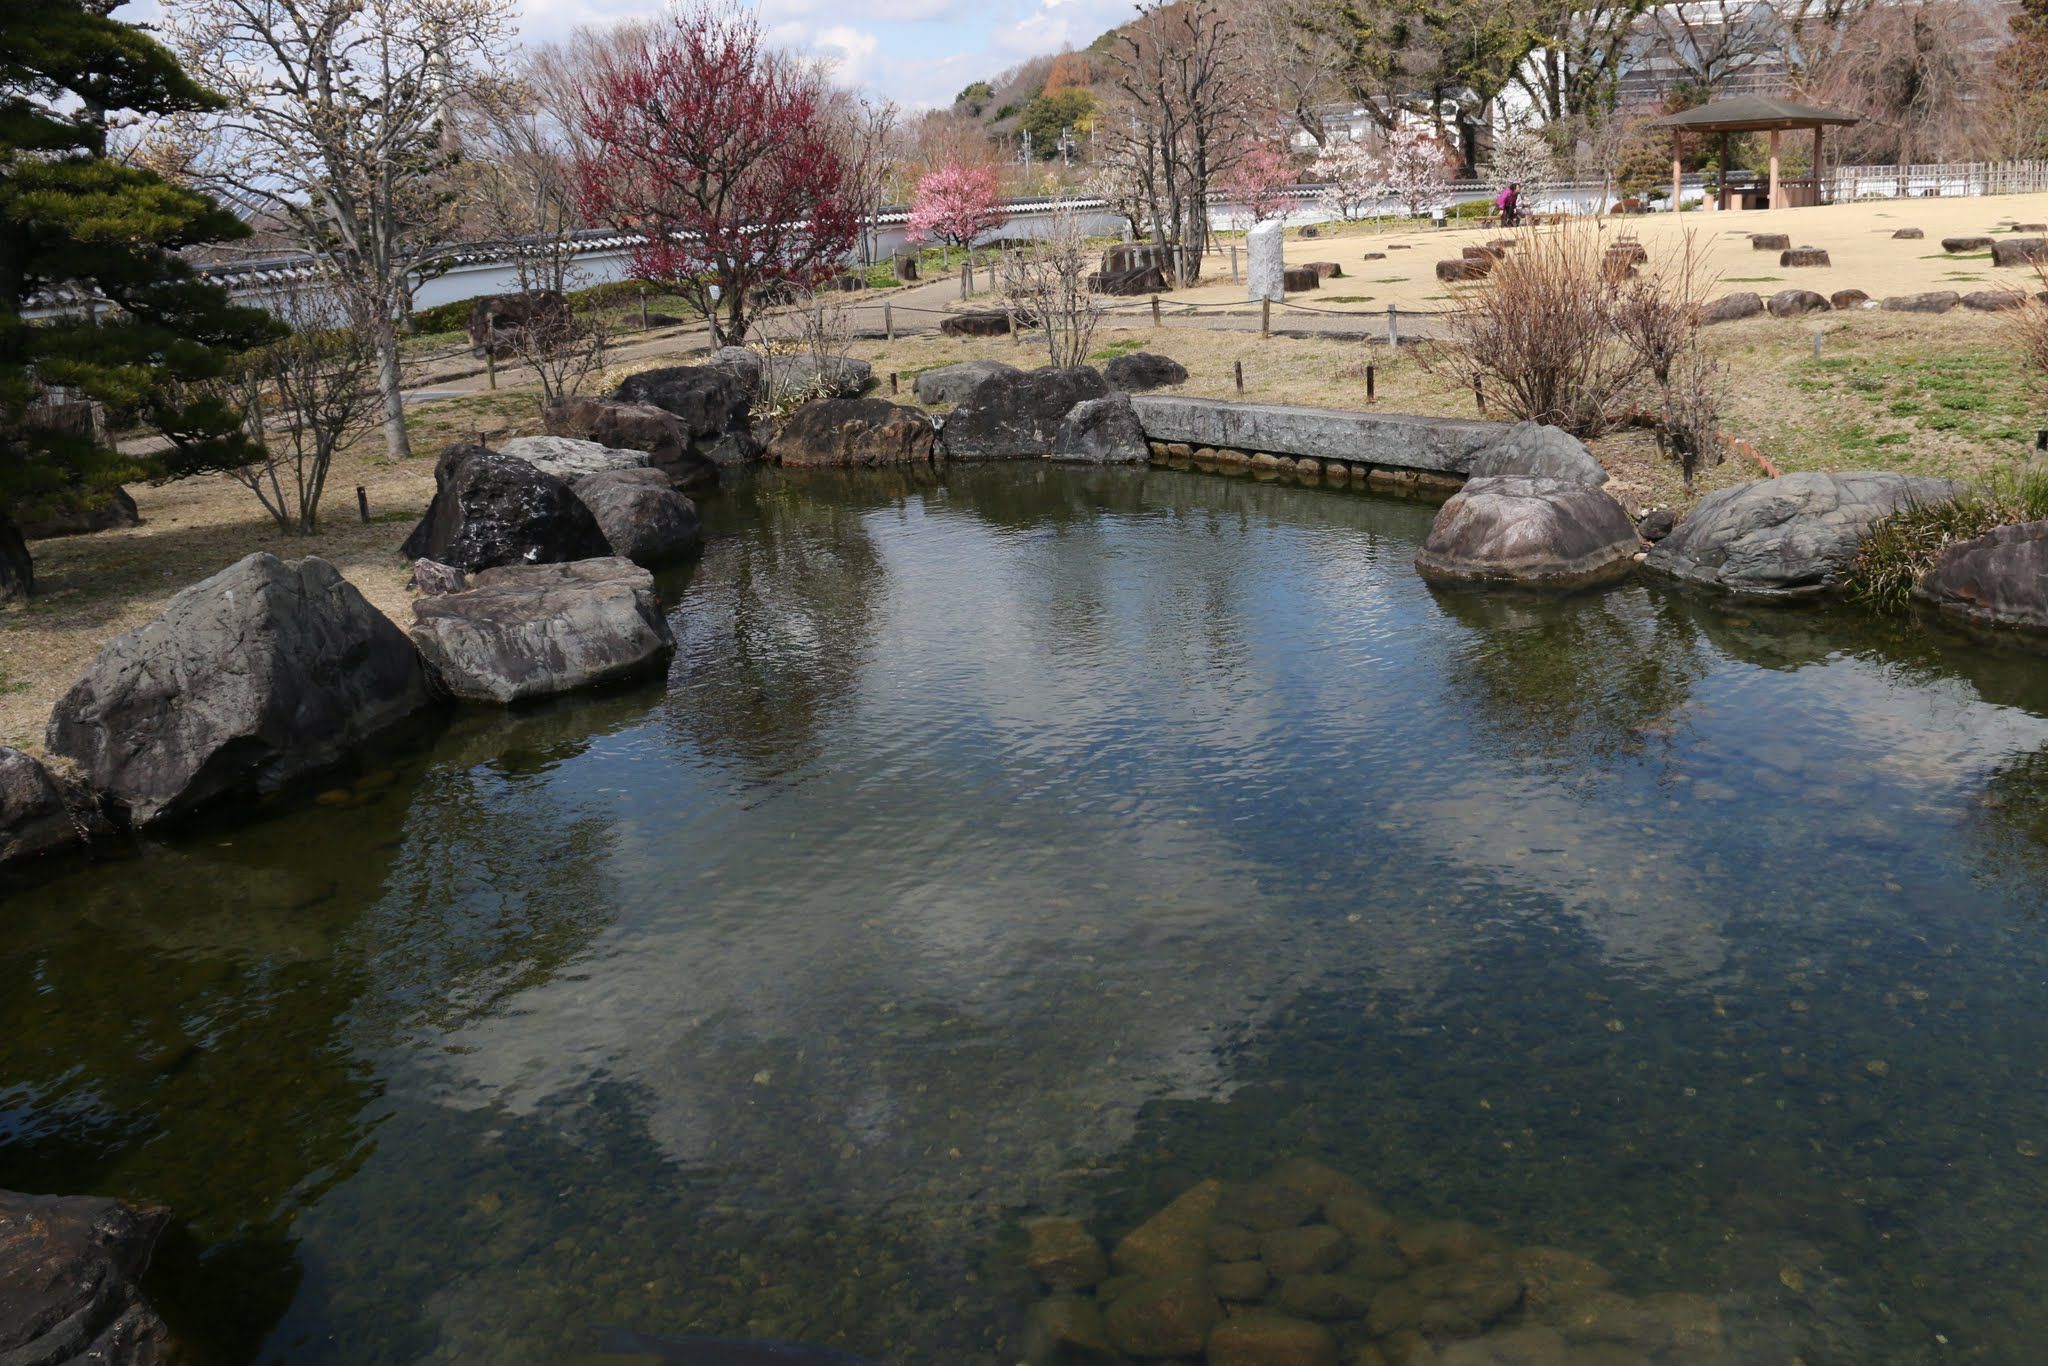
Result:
pixel 490 509
pixel 953 383
pixel 1538 451
pixel 642 515
pixel 537 630
pixel 1142 371
pixel 1396 440
pixel 1539 533
pixel 245 681
pixel 854 432
pixel 1017 417
pixel 70 1282
pixel 668 442
pixel 1797 303
pixel 2020 251
pixel 1933 301
pixel 569 459
pixel 41 811
pixel 804 376
pixel 714 406
pixel 1102 431
pixel 1999 579
pixel 1791 537
pixel 1733 307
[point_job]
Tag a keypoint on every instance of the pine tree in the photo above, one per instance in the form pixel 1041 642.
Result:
pixel 79 226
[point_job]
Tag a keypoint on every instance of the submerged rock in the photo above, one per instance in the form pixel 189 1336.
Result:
pixel 245 681
pixel 1064 1255
pixel 1789 537
pixel 70 1273
pixel 1173 1242
pixel 1264 1339
pixel 1163 1316
pixel 1067 1330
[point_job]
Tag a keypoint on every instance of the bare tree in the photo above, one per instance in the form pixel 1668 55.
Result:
pixel 1918 73
pixel 305 396
pixel 1709 43
pixel 1290 59
pixel 1580 48
pixel 335 126
pixel 1049 282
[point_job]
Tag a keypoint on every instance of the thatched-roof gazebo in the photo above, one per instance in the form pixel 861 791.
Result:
pixel 1750 114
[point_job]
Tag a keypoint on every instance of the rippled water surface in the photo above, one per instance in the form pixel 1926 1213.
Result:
pixel 1042 840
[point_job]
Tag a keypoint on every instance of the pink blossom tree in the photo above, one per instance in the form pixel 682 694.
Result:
pixel 1419 167
pixel 955 204
pixel 1258 180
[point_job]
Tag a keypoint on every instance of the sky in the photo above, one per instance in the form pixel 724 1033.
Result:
pixel 919 53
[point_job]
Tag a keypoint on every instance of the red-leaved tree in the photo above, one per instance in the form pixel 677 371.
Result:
pixel 956 204
pixel 720 150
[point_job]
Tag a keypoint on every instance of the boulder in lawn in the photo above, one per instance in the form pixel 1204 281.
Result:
pixel 1540 451
pixel 1910 234
pixel 1956 246
pixel 71 1270
pixel 1295 279
pixel 642 515
pixel 952 383
pixel 714 407
pixel 496 319
pixel 1538 533
pixel 805 375
pixel 1733 307
pixel 1102 431
pixel 1797 303
pixel 1464 269
pixel 1843 299
pixel 107 513
pixel 1142 371
pixel 1933 301
pixel 17 570
pixel 986 323
pixel 1791 537
pixel 1769 241
pixel 1018 417
pixel 1994 300
pixel 854 432
pixel 569 459
pixel 1327 270
pixel 2020 251
pixel 491 510
pixel 669 444
pixel 530 631
pixel 42 811
pixel 247 680
pixel 1803 256
pixel 1999 579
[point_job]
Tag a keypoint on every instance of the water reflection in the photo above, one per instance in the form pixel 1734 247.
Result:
pixel 1043 840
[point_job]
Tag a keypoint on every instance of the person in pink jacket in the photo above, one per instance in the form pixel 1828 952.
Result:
pixel 1509 203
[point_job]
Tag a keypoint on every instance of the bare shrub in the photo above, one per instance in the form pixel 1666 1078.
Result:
pixel 814 326
pixel 2027 326
pixel 1543 330
pixel 1657 316
pixel 306 395
pixel 1047 283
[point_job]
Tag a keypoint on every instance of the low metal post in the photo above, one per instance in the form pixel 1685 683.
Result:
pixel 1816 343
pixel 1155 310
pixel 889 321
pixel 1393 327
pixel 491 362
pixel 363 503
pixel 1479 391
pixel 1265 317
pixel 893 381
pixel 1233 263
pixel 1240 377
pixel 1370 382
pixel 643 310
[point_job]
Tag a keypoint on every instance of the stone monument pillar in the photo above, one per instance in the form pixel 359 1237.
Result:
pixel 1267 267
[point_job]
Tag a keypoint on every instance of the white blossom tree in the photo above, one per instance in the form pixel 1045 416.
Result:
pixel 1419 167
pixel 335 126
pixel 1521 156
pixel 1354 177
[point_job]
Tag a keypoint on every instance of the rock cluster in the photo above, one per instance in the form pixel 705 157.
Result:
pixel 714 408
pixel 1304 1267
pixel 1018 417
pixel 70 1268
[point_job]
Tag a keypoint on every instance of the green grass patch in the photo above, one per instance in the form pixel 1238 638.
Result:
pixel 1347 299
pixel 1902 547
pixel 1751 279
pixel 1957 256
pixel 1115 349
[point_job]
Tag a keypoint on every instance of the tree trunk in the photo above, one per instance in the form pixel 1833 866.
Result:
pixel 396 443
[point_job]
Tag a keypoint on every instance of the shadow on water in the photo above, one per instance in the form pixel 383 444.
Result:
pixel 1019 839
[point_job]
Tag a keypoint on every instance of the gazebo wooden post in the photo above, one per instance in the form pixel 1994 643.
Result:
pixel 1677 169
pixel 1721 177
pixel 1777 198
pixel 1819 193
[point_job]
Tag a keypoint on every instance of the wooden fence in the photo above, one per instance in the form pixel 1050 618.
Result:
pixel 1959 179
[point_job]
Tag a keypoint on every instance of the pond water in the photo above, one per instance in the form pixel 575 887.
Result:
pixel 1042 840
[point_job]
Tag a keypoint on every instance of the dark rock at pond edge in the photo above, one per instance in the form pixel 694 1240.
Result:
pixel 1994 300
pixel 1956 246
pixel 1733 307
pixel 804 376
pixel 988 323
pixel 492 510
pixel 713 406
pixel 1933 301
pixel 116 509
pixel 43 811
pixel 1539 451
pixel 669 443
pixel 1656 524
pixel 2020 251
pixel 1794 303
pixel 1804 256
pixel 1789 537
pixel 953 383
pixel 1769 241
pixel 1848 298
pixel 854 432
pixel 1102 431
pixel 1018 417
pixel 70 1273
pixel 528 631
pixel 1999 579
pixel 17 570
pixel 1143 371
pixel 642 515
pixel 1910 234
pixel 1543 533
pixel 263 673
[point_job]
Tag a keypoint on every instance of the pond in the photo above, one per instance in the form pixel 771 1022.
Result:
pixel 1028 840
